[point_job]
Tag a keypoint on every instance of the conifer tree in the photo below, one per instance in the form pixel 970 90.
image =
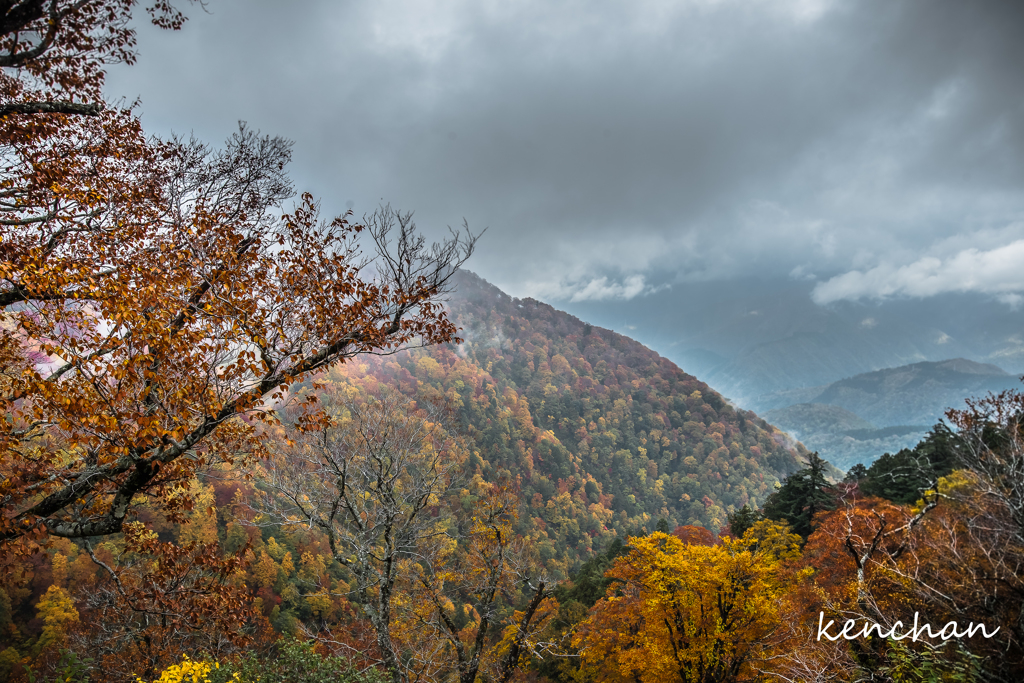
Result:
pixel 743 519
pixel 801 496
pixel 903 477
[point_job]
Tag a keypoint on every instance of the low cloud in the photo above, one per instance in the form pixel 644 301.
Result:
pixel 599 289
pixel 688 141
pixel 997 271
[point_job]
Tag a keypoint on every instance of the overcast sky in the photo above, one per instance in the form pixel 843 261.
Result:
pixel 613 149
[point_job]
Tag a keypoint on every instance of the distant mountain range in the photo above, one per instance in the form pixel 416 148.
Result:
pixel 859 418
pixel 754 338
pixel 916 394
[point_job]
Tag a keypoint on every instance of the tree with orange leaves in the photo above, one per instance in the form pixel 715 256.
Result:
pixel 156 298
pixel 852 552
pixel 963 563
pixel 156 600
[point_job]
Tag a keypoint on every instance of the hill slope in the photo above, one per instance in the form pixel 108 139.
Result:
pixel 916 394
pixel 606 436
pixel 841 437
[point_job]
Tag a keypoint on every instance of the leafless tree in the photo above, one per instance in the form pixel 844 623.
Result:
pixel 491 570
pixel 373 478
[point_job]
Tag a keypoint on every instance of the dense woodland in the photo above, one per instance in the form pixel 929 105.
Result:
pixel 242 443
pixel 606 437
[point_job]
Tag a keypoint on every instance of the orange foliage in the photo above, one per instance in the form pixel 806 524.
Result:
pixel 157 600
pixel 153 295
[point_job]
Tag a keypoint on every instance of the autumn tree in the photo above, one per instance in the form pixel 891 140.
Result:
pixel 57 610
pixel 853 552
pixel 154 294
pixel 690 612
pixel 155 600
pixel 963 562
pixel 954 555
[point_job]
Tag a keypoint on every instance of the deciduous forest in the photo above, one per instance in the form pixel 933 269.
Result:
pixel 242 442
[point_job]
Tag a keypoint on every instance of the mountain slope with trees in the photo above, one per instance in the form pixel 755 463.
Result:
pixel 916 394
pixel 605 436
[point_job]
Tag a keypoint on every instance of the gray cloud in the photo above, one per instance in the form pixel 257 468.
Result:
pixel 998 271
pixel 601 289
pixel 616 147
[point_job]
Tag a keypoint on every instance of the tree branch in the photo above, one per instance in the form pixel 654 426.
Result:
pixel 75 108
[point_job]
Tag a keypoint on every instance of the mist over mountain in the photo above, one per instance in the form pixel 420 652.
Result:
pixel 918 393
pixel 753 339
pixel 840 436
pixel 859 418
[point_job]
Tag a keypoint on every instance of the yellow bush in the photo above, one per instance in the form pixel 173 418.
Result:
pixel 188 671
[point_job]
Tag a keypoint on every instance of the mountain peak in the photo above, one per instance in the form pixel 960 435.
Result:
pixel 970 367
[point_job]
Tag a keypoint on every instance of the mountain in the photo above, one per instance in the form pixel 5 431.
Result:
pixel 841 437
pixel 814 418
pixel 919 393
pixel 859 418
pixel 605 436
pixel 756 337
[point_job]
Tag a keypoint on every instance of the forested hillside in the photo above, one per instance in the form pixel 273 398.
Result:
pixel 607 436
pixel 916 394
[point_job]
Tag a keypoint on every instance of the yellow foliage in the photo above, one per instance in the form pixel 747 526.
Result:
pixel 275 549
pixel 287 566
pixel 320 604
pixel 57 610
pixel 770 538
pixel 60 570
pixel 313 567
pixel 189 671
pixel 266 571
pixel 688 612
pixel 202 521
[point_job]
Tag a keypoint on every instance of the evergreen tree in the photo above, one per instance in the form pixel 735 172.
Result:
pixel 903 477
pixel 743 519
pixel 856 473
pixel 588 585
pixel 801 496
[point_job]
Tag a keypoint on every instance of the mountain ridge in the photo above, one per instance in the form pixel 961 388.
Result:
pixel 897 407
pixel 605 436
